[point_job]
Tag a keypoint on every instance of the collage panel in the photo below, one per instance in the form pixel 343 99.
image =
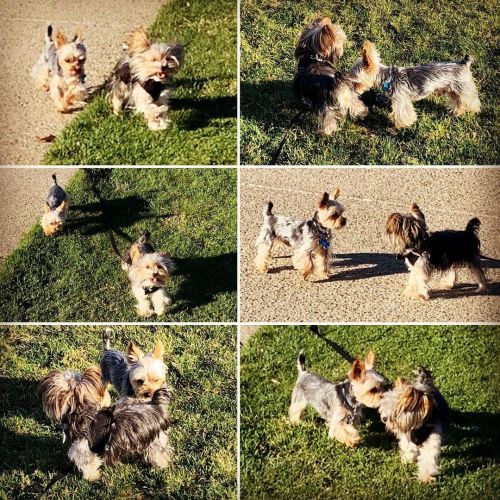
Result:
pixel 429 421
pixel 105 83
pixel 165 429
pixel 354 83
pixel 120 245
pixel 369 245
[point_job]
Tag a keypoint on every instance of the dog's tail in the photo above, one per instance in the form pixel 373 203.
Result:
pixel 162 396
pixel 267 209
pixel 48 34
pixel 54 178
pixel 467 61
pixel 301 362
pixel 106 336
pixel 473 226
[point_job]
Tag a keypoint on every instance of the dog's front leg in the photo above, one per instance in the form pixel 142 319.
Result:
pixel 159 301
pixel 428 458
pixel 143 307
pixel 87 462
pixel 409 450
pixel 152 113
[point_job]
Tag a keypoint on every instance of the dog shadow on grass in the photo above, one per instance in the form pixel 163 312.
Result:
pixel 202 279
pixel 200 112
pixel 23 451
pixel 90 219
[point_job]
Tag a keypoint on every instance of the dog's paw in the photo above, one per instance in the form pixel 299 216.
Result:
pixel 145 313
pixel 426 478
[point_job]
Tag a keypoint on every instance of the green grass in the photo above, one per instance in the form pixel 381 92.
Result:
pixel 203 106
pixel 77 277
pixel 406 34
pixel 201 365
pixel 283 461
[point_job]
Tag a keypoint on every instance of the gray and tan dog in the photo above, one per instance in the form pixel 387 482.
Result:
pixel 404 86
pixel 60 70
pixel 133 373
pixel 310 239
pixel 339 404
pixel 56 209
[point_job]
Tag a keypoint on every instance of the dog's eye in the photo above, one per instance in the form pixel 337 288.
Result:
pixel 68 59
pixel 374 390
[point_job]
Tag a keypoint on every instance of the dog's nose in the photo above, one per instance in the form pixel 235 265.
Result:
pixel 147 394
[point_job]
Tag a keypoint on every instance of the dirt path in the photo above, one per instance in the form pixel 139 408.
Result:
pixel 368 281
pixel 23 193
pixel 28 112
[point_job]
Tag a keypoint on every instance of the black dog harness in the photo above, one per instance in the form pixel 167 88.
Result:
pixel 348 400
pixel 320 232
pixel 148 290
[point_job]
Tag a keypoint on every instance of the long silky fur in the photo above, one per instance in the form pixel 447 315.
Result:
pixel 406 231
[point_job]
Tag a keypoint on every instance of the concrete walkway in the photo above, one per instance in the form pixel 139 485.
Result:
pixel 23 193
pixel 368 281
pixel 28 112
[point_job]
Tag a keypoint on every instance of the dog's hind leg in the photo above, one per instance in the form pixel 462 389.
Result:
pixel 420 274
pixel 403 113
pixel 479 275
pixel 449 280
pixel 297 406
pixel 263 257
pixel 464 97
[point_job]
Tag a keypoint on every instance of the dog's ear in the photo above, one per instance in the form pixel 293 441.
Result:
pixel 159 350
pixel 358 367
pixel 325 197
pixel 165 261
pixel 414 400
pixel 139 41
pixel 61 207
pixel 47 207
pixel 370 360
pixel 78 38
pixel 134 354
pixel 175 55
pixel 60 40
pixel 336 194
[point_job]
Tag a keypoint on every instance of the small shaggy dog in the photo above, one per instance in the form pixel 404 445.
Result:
pixel 142 78
pixel 102 434
pixel 60 70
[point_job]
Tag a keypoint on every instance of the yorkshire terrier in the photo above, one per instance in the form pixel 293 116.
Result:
pixel 60 70
pixel 320 86
pixel 148 272
pixel 417 414
pixel 442 252
pixel 404 86
pixel 309 239
pixel 339 404
pixel 133 373
pixel 142 78
pixel 56 209
pixel 102 434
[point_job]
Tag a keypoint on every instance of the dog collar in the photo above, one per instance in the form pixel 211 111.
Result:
pixel 321 232
pixel 386 86
pixel 348 400
pixel 148 290
pixel 82 78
